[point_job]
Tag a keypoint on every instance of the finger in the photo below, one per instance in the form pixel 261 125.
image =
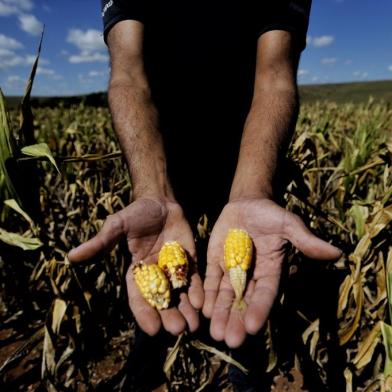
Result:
pixel 146 316
pixel 212 281
pixel 196 292
pixel 261 301
pixel 188 311
pixel 305 241
pixel 221 311
pixel 173 321
pixel 104 241
pixel 235 332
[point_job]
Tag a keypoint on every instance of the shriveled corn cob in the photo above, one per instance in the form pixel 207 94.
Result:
pixel 153 284
pixel 173 261
pixel 238 251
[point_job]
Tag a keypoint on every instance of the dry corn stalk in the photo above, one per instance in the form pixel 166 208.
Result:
pixel 238 251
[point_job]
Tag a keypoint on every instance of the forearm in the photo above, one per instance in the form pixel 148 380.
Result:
pixel 135 122
pixel 266 134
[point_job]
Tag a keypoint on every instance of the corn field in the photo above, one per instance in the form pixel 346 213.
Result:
pixel 66 327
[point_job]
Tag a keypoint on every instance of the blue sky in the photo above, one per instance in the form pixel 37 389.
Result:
pixel 348 40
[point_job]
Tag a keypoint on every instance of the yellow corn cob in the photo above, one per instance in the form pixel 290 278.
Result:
pixel 174 263
pixel 153 284
pixel 238 257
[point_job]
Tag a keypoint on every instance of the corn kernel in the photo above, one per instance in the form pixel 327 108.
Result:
pixel 152 284
pixel 173 261
pixel 238 251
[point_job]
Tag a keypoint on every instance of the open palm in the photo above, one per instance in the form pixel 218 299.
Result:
pixel 147 225
pixel 271 228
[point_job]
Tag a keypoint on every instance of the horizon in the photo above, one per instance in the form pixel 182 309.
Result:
pixel 74 59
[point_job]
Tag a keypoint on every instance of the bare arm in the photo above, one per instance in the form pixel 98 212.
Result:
pixel 154 216
pixel 134 116
pixel 251 207
pixel 272 116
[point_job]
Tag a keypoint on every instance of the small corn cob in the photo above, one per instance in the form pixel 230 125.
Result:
pixel 238 256
pixel 153 284
pixel 174 263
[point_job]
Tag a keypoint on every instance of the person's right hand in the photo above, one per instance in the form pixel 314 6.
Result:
pixel 147 225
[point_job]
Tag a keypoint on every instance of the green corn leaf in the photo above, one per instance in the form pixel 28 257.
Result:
pixel 12 203
pixel 26 130
pixel 386 331
pixel 8 151
pixel 389 282
pixel 40 150
pixel 15 239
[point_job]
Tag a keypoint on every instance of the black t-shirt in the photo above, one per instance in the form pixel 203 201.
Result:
pixel 200 57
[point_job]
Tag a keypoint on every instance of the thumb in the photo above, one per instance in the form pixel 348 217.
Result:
pixel 103 242
pixel 305 241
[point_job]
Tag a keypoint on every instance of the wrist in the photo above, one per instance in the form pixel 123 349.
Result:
pixel 250 190
pixel 157 192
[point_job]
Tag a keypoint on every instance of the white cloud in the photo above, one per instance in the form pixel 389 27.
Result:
pixel 89 40
pixel 11 59
pixel 30 58
pixel 321 41
pixel 45 71
pixel 90 44
pixel 94 74
pixel 9 42
pixel 6 53
pixel 329 61
pixel 390 68
pixel 12 79
pixel 315 79
pixel 6 9
pixel 12 7
pixel 88 57
pixel 303 72
pixel 30 24
pixel 56 77
pixel 360 74
pixel 49 73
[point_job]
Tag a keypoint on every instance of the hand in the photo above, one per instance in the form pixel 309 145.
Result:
pixel 271 227
pixel 147 224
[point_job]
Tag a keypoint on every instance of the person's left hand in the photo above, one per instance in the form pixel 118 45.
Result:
pixel 271 227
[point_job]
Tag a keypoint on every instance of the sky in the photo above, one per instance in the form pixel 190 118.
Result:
pixel 348 40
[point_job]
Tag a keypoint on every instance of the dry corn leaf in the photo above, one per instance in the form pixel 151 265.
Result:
pixel 64 356
pixel 272 356
pixel 58 312
pixel 48 355
pixel 172 356
pixel 380 221
pixel 221 355
pixel 347 333
pixel 22 351
pixel 349 380
pixel 367 347
pixel 313 331
pixel 344 291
